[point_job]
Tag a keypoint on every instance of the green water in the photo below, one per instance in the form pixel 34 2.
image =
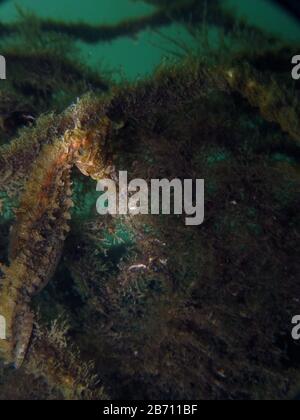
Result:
pixel 135 57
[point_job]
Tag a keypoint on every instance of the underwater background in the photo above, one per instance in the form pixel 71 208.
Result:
pixel 139 55
pixel 144 307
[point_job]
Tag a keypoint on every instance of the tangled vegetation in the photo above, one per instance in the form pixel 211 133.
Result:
pixel 144 307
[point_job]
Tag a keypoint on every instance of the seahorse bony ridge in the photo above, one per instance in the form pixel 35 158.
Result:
pixel 40 230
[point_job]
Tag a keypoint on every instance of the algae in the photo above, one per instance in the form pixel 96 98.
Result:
pixel 153 309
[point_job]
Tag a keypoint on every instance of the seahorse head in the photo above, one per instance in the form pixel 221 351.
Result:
pixel 88 147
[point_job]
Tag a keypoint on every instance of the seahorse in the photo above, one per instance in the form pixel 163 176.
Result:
pixel 40 230
pixel 17 158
